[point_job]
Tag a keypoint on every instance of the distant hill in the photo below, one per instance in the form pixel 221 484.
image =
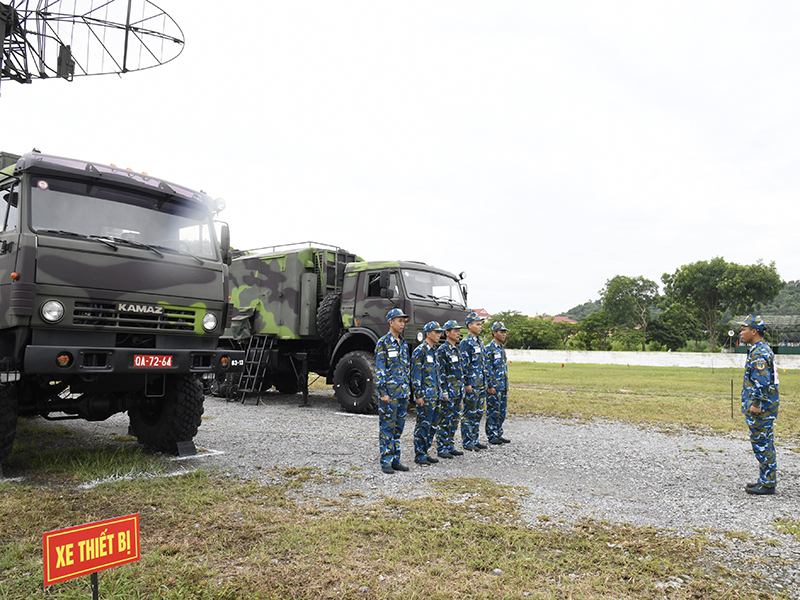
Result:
pixel 585 309
pixel 787 302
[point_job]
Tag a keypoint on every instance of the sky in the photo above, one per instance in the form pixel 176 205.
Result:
pixel 541 147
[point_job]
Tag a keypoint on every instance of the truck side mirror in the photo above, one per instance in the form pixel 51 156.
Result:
pixel 384 281
pixel 225 243
pixel 464 291
pixel 387 293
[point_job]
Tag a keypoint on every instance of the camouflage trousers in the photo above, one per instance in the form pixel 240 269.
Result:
pixel 763 447
pixel 392 417
pixel 471 420
pixel 495 414
pixel 449 415
pixel 425 428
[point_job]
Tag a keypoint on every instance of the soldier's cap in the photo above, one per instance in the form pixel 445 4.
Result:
pixel 451 324
pixel 753 322
pixel 432 326
pixel 473 316
pixel 498 326
pixel 394 313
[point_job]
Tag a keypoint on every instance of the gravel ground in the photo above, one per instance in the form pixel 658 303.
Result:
pixel 673 480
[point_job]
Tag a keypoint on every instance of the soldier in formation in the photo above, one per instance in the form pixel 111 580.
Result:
pixel 426 385
pixel 476 378
pixel 452 380
pixel 498 379
pixel 760 401
pixel 393 384
pixel 441 378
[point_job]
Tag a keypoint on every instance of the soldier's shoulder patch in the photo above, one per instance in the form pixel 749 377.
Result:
pixel 761 364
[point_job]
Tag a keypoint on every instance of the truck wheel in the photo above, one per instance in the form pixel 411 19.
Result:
pixel 354 382
pixel 8 419
pixel 329 317
pixel 161 423
pixel 287 384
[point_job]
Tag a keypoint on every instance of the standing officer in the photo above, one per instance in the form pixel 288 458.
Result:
pixel 760 400
pixel 476 378
pixel 498 368
pixel 393 383
pixel 452 380
pixel 425 382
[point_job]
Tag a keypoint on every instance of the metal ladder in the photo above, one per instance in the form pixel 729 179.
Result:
pixel 255 364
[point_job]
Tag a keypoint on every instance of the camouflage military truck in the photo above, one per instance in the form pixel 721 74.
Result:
pixel 320 309
pixel 113 295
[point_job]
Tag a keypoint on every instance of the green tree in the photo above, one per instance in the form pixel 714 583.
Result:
pixel 594 331
pixel 708 288
pixel 539 333
pixel 673 327
pixel 565 331
pixel 627 302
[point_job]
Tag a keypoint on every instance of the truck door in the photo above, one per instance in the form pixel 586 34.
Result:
pixel 9 240
pixel 371 305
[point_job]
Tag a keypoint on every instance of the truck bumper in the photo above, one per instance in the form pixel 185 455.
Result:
pixel 78 360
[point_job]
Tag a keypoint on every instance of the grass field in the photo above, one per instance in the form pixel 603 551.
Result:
pixel 699 399
pixel 212 537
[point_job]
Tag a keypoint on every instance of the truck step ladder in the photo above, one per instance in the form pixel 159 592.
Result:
pixel 255 363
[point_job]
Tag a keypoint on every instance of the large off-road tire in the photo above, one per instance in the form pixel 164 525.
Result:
pixel 161 423
pixel 287 383
pixel 329 317
pixel 8 419
pixel 354 382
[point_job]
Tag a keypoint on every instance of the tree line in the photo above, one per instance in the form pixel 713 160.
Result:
pixel 698 302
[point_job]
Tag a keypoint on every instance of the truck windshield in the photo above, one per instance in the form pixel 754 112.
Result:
pixel 93 210
pixel 434 286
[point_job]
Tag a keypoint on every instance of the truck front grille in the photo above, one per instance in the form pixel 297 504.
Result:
pixel 104 314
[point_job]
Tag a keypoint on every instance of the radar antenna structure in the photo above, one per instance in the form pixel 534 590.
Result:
pixel 70 38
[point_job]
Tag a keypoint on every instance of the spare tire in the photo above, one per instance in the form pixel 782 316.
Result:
pixel 329 317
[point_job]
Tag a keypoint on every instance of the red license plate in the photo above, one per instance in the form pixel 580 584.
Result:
pixel 151 360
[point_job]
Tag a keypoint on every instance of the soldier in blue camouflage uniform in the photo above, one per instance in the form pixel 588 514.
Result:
pixel 476 378
pixel 425 382
pixel 760 400
pixel 498 368
pixel 452 380
pixel 392 378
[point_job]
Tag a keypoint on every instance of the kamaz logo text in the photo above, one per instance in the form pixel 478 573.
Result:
pixel 146 309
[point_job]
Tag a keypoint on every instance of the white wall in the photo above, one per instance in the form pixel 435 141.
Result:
pixel 646 359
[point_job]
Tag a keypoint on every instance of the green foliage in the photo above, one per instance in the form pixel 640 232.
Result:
pixel 627 339
pixel 627 302
pixel 673 327
pixel 594 331
pixel 539 333
pixel 708 288
pixel 787 302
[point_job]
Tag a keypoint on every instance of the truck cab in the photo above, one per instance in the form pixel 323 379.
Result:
pixel 113 294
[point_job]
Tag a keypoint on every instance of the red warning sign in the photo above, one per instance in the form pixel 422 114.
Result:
pixel 89 548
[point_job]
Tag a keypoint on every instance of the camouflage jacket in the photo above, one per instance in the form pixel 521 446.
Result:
pixel 392 367
pixel 760 386
pixel 425 372
pixel 498 367
pixel 450 368
pixel 473 351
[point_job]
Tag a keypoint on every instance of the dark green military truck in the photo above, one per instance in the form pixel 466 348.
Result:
pixel 113 295
pixel 313 308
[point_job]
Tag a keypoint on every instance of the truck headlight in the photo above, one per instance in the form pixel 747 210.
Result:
pixel 209 322
pixel 52 311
